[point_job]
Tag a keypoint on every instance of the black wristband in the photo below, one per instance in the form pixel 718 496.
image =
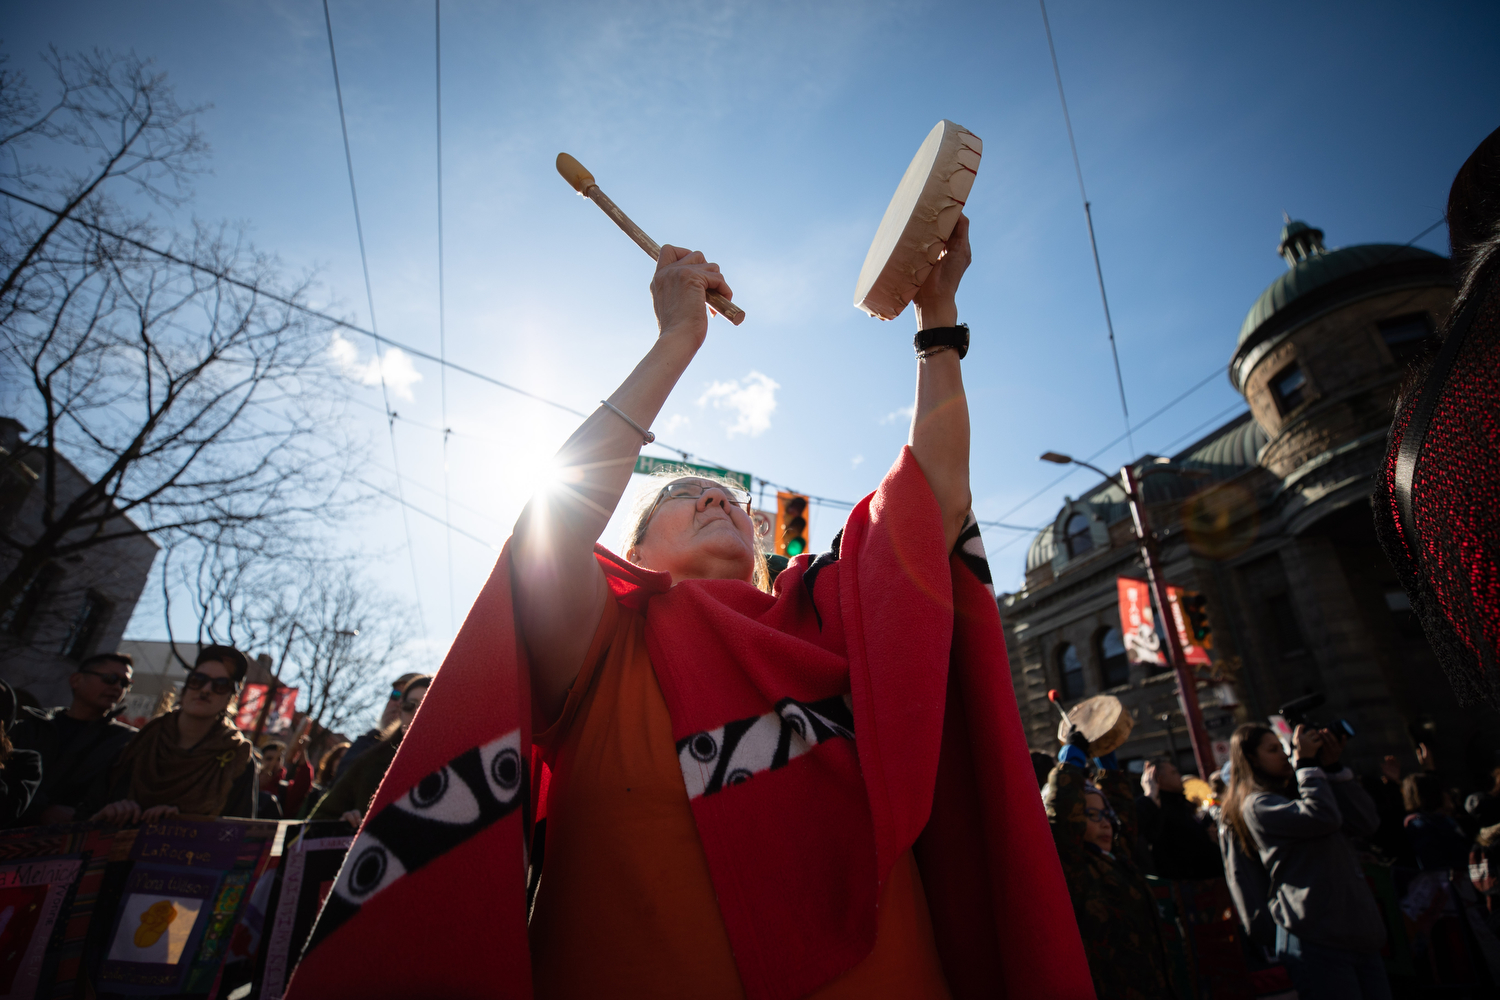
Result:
pixel 956 337
pixel 1306 762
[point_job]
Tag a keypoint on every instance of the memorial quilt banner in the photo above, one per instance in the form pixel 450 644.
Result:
pixel 179 894
pixel 309 867
pixel 49 880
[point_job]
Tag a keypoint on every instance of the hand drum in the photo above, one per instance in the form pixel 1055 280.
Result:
pixel 919 221
pixel 1103 721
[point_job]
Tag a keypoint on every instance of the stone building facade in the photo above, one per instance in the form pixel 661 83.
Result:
pixel 80 603
pixel 1268 518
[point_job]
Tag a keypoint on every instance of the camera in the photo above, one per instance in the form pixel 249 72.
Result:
pixel 1296 712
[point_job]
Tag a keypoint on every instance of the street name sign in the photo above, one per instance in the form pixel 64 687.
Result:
pixel 647 464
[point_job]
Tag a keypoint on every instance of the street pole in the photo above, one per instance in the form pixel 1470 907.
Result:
pixel 1187 684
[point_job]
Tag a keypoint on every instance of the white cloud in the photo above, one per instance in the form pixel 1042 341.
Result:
pixel 400 374
pixel 854 462
pixel 752 399
pixel 674 423
pixel 903 415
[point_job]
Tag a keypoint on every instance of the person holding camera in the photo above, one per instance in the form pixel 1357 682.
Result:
pixel 1286 816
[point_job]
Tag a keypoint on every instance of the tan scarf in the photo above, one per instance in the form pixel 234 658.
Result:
pixel 197 781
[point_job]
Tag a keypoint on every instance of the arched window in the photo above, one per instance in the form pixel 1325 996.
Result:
pixel 1072 672
pixel 1113 663
pixel 1080 538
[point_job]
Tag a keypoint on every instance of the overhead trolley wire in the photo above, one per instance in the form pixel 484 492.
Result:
pixel 491 380
pixel 1088 215
pixel 437 10
pixel 364 260
pixel 407 504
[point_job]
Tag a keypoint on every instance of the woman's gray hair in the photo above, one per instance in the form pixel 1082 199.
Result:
pixel 645 500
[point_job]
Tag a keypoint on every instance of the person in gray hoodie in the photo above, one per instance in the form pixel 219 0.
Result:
pixel 1286 817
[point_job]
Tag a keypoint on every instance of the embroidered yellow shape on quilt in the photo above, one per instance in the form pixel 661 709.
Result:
pixel 154 923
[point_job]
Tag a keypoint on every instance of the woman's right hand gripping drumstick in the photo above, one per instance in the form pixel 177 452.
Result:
pixel 559 589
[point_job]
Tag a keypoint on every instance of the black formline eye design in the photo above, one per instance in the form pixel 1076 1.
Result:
pixel 970 550
pixel 505 768
pixel 703 747
pixel 446 807
pixel 430 790
pixel 737 751
pixel 367 870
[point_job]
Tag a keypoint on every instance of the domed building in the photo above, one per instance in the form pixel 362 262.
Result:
pixel 1265 523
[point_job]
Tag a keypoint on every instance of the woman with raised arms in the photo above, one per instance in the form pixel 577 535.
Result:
pixel 820 789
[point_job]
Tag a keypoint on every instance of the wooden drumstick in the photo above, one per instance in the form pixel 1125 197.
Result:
pixel 583 182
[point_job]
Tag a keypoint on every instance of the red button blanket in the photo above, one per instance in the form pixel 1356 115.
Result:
pixel 863 709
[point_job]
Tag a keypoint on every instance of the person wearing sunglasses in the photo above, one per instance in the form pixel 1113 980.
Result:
pixel 366 741
pixel 80 743
pixel 352 791
pixel 629 657
pixel 191 761
pixel 739 773
pixel 1091 808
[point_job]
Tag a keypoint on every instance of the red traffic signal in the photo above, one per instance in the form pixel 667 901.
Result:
pixel 791 525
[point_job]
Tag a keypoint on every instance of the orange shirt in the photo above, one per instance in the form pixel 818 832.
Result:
pixel 626 906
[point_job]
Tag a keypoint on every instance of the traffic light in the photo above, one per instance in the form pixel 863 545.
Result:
pixel 791 524
pixel 1195 606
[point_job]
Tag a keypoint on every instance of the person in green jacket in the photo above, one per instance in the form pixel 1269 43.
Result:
pixel 351 794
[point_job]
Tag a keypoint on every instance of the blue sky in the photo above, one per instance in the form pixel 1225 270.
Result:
pixel 771 135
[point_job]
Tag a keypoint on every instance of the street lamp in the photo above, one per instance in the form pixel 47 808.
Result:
pixel 1187 685
pixel 291 633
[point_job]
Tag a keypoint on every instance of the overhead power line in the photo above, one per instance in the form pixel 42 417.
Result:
pixel 1088 215
pixel 437 10
pixel 408 505
pixel 364 261
pixel 306 310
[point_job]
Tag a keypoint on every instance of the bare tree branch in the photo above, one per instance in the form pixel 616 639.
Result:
pixel 193 391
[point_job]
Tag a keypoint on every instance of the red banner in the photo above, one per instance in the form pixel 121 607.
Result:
pixel 278 720
pixel 1143 644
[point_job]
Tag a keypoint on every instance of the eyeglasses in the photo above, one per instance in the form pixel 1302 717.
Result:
pixel 692 489
pixel 1099 816
pixel 113 680
pixel 197 681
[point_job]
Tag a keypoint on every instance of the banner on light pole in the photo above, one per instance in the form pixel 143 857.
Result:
pixel 278 720
pixel 1143 643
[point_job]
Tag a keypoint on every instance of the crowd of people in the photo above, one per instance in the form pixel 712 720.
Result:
pixel 646 675
pixel 79 762
pixel 1296 836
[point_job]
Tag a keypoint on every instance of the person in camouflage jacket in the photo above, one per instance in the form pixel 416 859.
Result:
pixel 1116 912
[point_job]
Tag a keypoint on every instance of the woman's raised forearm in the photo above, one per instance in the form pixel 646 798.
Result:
pixel 940 419
pixel 940 438
pixel 559 589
